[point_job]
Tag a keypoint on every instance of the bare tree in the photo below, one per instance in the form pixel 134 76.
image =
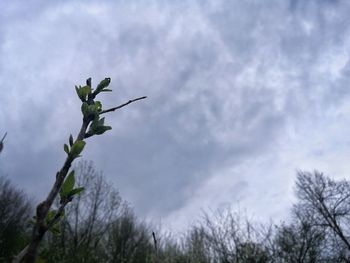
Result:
pixel 99 227
pixel 327 203
pixel 196 247
pixel 170 249
pixel 299 242
pixel 87 220
pixel 129 240
pixel 15 210
pixel 232 238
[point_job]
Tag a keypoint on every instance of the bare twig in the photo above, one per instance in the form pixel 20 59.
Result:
pixel 3 138
pixel 122 105
pixel 2 142
pixel 155 246
pixel 154 241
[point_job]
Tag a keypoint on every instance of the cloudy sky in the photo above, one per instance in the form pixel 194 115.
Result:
pixel 241 95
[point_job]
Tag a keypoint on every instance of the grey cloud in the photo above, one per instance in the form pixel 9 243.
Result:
pixel 224 81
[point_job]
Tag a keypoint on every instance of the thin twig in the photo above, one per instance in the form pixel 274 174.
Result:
pixel 2 142
pixel 58 214
pixel 122 105
pixel 155 241
pixel 3 138
pixel 155 246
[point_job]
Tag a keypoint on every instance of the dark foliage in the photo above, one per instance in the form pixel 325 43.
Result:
pixel 15 211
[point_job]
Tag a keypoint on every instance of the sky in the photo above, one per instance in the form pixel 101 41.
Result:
pixel 241 96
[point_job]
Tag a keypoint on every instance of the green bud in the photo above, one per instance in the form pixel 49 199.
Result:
pixel 103 84
pixel 77 148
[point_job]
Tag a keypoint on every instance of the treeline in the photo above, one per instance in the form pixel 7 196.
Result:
pixel 99 226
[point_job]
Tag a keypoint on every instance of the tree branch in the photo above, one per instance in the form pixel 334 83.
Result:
pixel 90 111
pixel 42 209
pixel 3 138
pixel 2 142
pixel 122 105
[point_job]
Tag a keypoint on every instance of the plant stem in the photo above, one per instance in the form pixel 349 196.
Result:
pixel 42 209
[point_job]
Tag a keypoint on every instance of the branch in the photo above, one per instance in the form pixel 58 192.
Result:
pixel 155 246
pixel 42 209
pixel 122 105
pixel 58 214
pixel 3 138
pixel 20 256
pixel 2 142
pixel 90 110
pixel 154 241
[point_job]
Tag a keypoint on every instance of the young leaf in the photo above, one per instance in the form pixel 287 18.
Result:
pixel 103 84
pixel 77 148
pixel 85 109
pixel 66 148
pixel 101 129
pixel 98 105
pixel 50 215
pixel 95 123
pixel 89 110
pixel 93 109
pixel 67 185
pixel 84 91
pixel 76 191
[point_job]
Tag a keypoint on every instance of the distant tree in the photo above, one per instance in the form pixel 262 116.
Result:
pixel 299 242
pixel 234 239
pixel 129 240
pixel 196 246
pixel 15 210
pixel 92 124
pixel 99 227
pixel 326 203
pixel 191 247
pixel 171 250
pixel 87 221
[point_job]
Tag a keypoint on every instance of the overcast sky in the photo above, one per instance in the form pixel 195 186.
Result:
pixel 241 95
